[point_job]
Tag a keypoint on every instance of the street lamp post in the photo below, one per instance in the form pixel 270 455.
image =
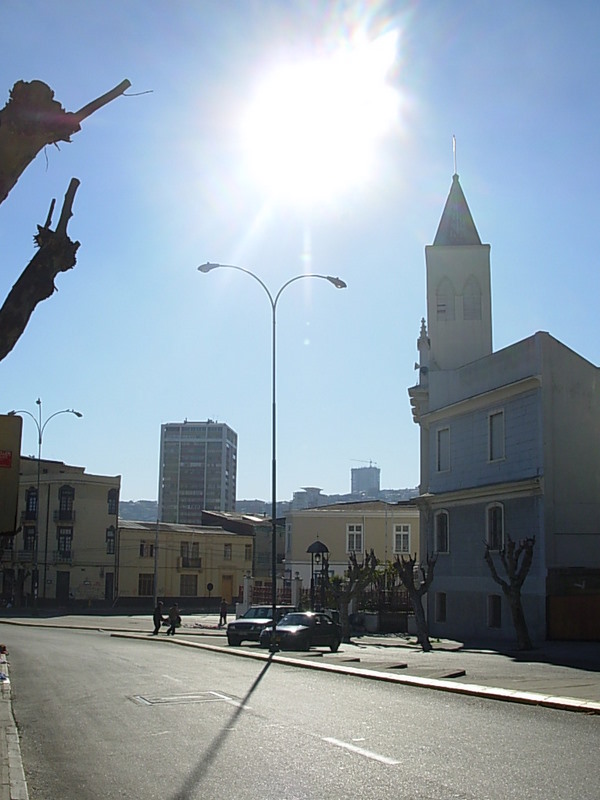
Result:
pixel 339 284
pixel 41 427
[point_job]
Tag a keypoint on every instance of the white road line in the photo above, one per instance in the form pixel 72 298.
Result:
pixel 171 678
pixel 361 751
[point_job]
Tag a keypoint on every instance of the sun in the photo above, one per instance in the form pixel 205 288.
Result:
pixel 312 127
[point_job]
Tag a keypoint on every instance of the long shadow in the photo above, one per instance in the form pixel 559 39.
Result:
pixel 576 654
pixel 194 778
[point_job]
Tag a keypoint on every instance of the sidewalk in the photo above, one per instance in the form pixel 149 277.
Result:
pixel 560 675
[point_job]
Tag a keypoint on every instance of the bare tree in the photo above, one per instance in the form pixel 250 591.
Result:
pixel 31 120
pixel 516 560
pixel 408 571
pixel 342 590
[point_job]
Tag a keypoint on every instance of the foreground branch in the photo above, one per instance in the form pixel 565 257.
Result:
pixel 32 119
pixel 56 254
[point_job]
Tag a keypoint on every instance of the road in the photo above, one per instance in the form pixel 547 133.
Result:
pixel 104 717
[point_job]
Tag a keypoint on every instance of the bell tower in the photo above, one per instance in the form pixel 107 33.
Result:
pixel 459 301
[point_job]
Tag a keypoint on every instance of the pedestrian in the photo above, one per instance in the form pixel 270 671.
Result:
pixel 157 618
pixel 174 619
pixel 223 617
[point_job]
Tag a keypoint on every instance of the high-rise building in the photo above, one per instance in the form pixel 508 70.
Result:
pixel 198 467
pixel 365 481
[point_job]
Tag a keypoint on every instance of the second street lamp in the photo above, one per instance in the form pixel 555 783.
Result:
pixel 41 427
pixel 339 284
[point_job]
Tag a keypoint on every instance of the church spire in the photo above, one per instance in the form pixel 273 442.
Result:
pixel 456 225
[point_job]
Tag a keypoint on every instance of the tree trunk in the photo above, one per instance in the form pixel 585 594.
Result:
pixel 420 620
pixel 518 618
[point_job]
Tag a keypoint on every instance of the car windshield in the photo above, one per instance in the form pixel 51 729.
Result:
pixel 295 619
pixel 256 612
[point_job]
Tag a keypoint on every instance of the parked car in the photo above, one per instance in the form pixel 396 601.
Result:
pixel 301 630
pixel 249 626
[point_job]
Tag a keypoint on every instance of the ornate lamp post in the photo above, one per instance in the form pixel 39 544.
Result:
pixel 41 427
pixel 318 553
pixel 273 300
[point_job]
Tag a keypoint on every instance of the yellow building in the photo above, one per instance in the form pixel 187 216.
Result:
pixel 65 548
pixel 192 563
pixel 390 529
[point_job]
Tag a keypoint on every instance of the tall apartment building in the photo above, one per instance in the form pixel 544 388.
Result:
pixel 365 481
pixel 198 468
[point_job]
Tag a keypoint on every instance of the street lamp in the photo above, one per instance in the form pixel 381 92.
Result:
pixel 41 427
pixel 318 552
pixel 339 284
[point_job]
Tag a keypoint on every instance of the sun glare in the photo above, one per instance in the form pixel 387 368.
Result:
pixel 312 128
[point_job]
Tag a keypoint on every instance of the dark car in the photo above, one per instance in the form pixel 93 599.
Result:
pixel 248 627
pixel 301 630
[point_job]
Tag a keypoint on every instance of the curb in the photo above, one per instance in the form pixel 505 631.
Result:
pixel 436 684
pixel 13 785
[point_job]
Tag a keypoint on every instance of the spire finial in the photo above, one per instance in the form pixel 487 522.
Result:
pixel 454 151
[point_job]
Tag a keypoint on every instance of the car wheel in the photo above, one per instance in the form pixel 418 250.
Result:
pixel 233 641
pixel 335 645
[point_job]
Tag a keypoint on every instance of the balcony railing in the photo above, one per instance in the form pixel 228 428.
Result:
pixel 23 555
pixel 186 562
pixel 28 514
pixel 64 515
pixel 63 556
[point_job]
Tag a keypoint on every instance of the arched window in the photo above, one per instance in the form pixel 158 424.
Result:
pixel 66 495
pixel 472 299
pixel 495 527
pixel 442 532
pixel 112 499
pixel 445 300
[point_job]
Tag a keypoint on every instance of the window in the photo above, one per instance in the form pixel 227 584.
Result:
pixel 496 435
pixel 31 503
pixel 495 527
pixel 227 552
pixel 64 538
pixel 471 299
pixel 145 584
pixel 445 301
pixel 112 500
pixel 66 495
pixel 354 538
pixel 146 549
pixel 443 450
pixel 29 538
pixel 440 606
pixel 402 538
pixel 110 541
pixel 248 552
pixel 494 611
pixel 188 585
pixel 441 522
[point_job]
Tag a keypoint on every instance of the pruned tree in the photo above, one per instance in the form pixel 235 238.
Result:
pixel 516 559
pixel 31 120
pixel 342 589
pixel 416 581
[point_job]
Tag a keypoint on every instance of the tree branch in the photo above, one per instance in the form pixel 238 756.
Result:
pixel 56 254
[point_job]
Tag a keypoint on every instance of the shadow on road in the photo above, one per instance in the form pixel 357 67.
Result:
pixel 194 778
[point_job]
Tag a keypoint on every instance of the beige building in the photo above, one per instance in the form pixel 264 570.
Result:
pixel 192 563
pixel 64 549
pixel 390 529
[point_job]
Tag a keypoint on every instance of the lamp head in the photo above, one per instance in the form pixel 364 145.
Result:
pixel 337 282
pixel 11 413
pixel 77 413
pixel 208 267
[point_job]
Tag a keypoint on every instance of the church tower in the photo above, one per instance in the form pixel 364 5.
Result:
pixel 459 302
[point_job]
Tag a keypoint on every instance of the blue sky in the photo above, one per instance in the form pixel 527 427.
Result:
pixel 135 336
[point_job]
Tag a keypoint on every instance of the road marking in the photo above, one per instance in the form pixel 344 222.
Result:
pixel 361 751
pixel 171 678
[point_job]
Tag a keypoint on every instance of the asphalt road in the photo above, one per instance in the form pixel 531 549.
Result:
pixel 102 717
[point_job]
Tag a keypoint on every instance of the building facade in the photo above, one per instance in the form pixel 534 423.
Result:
pixel 65 549
pixel 390 529
pixel 198 469
pixel 509 448
pixel 193 564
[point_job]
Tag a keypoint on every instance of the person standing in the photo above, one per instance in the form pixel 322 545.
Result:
pixel 223 617
pixel 157 618
pixel 174 619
